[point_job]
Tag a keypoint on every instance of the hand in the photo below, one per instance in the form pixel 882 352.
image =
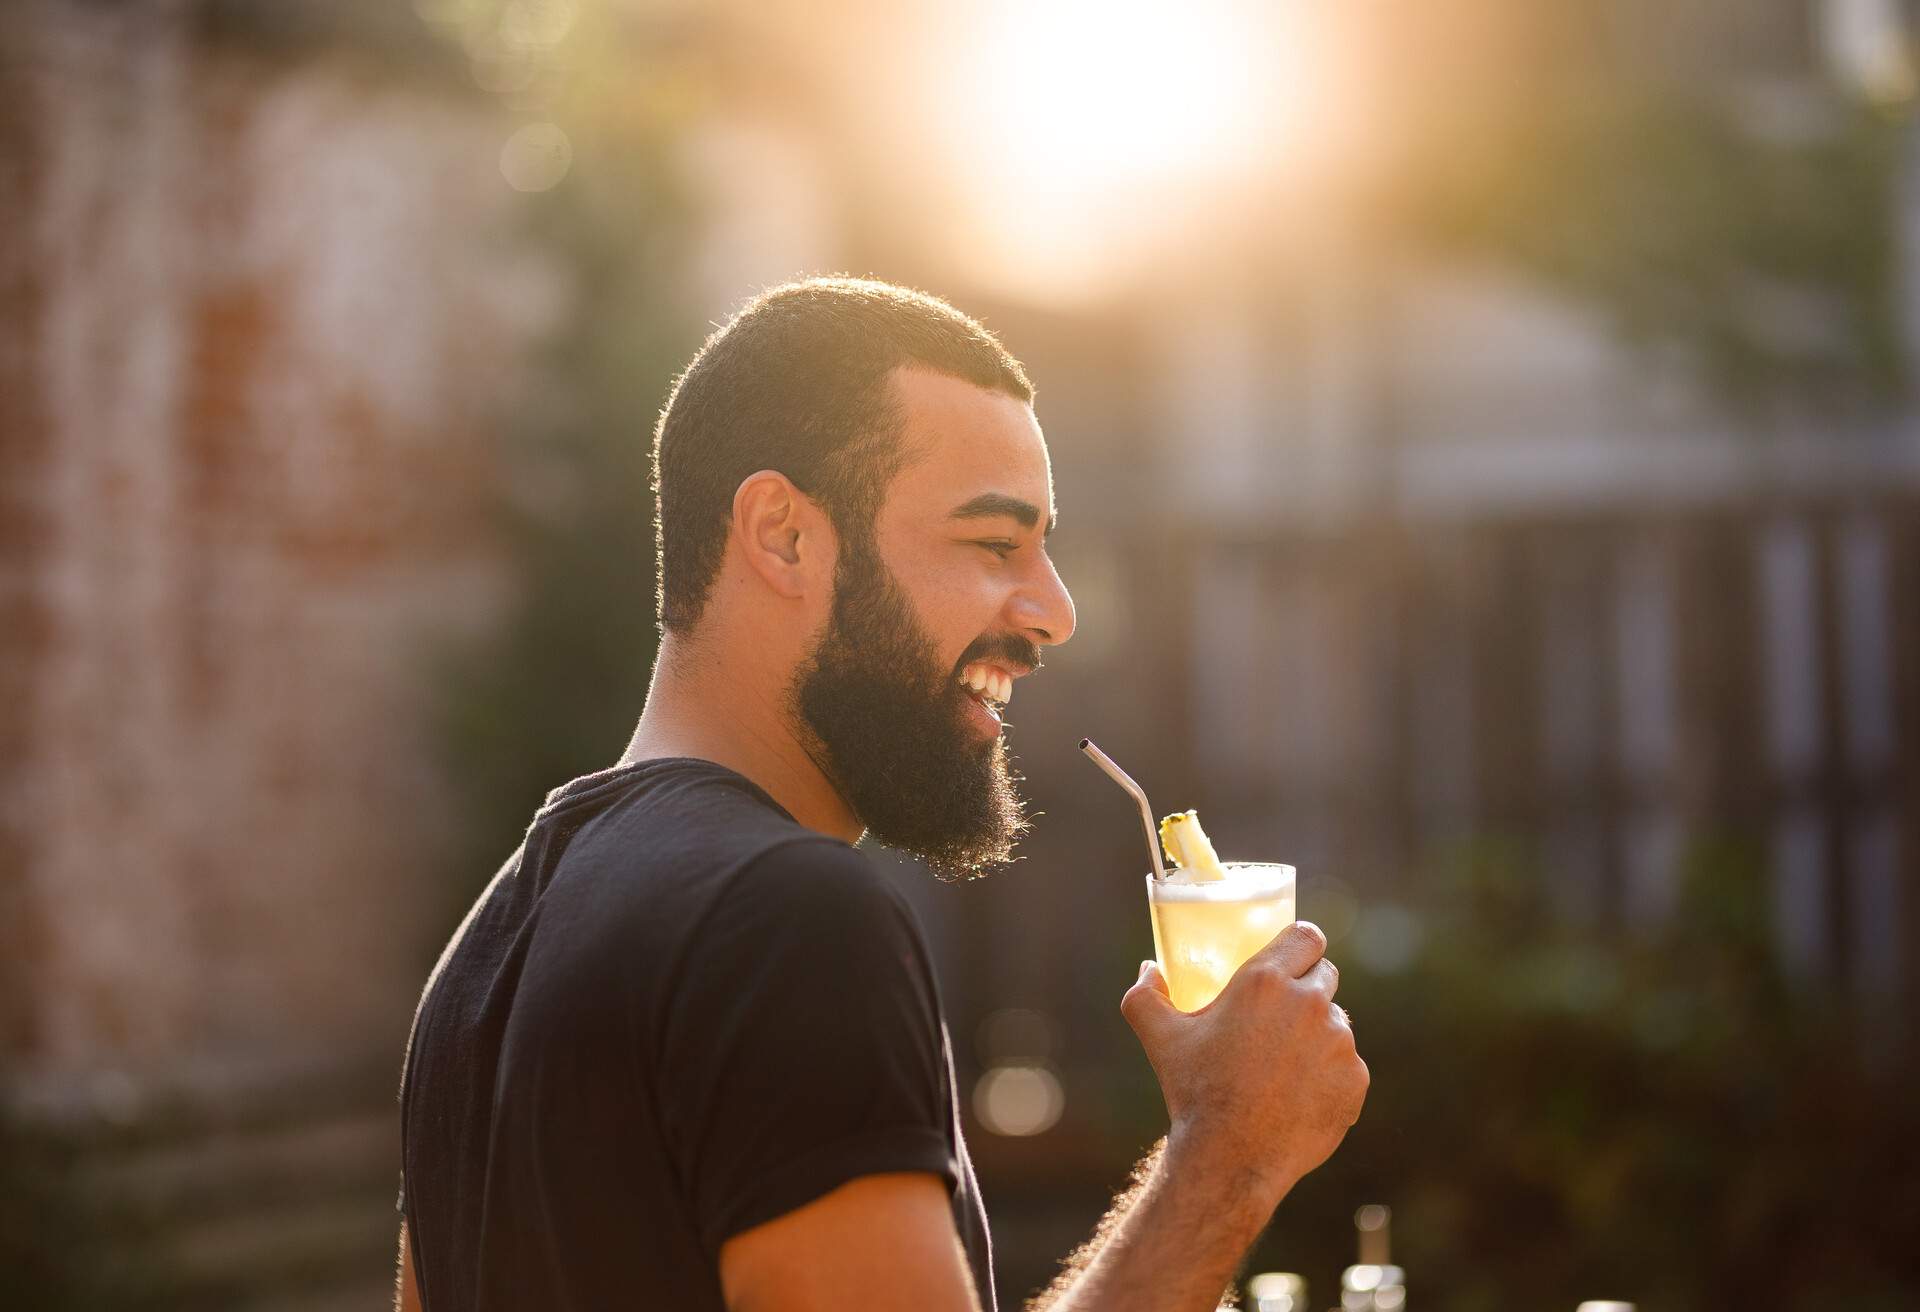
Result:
pixel 1264 1078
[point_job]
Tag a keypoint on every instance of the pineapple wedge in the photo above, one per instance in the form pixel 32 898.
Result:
pixel 1188 847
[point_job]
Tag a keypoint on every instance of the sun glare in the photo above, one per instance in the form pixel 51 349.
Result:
pixel 1089 132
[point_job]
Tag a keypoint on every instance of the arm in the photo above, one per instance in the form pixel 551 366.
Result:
pixel 1262 1085
pixel 809 1100
pixel 1171 1239
pixel 878 1242
pixel 406 1291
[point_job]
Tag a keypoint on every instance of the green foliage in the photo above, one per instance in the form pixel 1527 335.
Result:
pixel 1770 265
pixel 553 692
pixel 1652 1116
pixel 1741 218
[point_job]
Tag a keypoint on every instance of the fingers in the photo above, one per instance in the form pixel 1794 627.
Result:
pixel 1295 949
pixel 1323 977
pixel 1147 1005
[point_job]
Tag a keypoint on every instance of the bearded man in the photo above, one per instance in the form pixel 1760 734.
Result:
pixel 687 1050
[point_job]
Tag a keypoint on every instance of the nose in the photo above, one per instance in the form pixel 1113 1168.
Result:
pixel 1043 609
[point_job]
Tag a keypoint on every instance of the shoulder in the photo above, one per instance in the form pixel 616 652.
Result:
pixel 682 825
pixel 805 920
pixel 814 885
pixel 807 944
pixel 809 867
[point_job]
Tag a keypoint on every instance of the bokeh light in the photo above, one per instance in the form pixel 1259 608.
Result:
pixel 536 157
pixel 1277 1291
pixel 1387 938
pixel 1018 1101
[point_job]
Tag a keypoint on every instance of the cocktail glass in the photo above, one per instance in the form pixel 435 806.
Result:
pixel 1204 931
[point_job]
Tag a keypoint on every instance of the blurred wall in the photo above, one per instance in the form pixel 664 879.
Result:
pixel 265 298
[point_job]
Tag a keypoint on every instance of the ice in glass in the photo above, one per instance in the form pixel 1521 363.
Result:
pixel 1202 932
pixel 1209 916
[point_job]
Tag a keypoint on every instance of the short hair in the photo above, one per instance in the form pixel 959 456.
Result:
pixel 798 381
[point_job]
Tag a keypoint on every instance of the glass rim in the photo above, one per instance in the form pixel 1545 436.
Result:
pixel 1230 890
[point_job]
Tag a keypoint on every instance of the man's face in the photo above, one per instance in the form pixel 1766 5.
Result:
pixel 932 621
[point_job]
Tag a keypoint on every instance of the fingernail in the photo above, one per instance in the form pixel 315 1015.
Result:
pixel 1145 966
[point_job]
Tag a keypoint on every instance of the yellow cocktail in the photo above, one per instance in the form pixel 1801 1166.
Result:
pixel 1204 929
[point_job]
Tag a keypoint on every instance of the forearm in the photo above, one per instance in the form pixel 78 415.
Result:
pixel 1171 1241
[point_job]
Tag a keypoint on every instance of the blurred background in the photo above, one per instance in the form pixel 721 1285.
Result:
pixel 1489 474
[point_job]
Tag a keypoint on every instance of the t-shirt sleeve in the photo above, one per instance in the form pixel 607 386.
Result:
pixel 801 1045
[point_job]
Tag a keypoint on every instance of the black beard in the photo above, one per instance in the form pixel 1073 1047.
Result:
pixel 889 728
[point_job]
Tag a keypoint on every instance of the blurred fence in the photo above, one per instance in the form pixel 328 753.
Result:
pixel 1605 688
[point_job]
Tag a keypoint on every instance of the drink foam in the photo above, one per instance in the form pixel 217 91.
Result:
pixel 1246 881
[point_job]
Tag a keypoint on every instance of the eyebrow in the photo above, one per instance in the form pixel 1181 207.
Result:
pixel 991 505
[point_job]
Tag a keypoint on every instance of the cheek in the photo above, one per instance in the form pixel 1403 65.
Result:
pixel 956 593
pixel 957 606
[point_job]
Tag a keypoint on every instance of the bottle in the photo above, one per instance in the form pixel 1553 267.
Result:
pixel 1373 1284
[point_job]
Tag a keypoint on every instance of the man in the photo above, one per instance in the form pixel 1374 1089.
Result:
pixel 687 1049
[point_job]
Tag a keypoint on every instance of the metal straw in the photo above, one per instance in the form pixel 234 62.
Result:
pixel 1139 795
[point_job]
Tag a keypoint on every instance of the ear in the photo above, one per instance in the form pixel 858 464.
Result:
pixel 783 534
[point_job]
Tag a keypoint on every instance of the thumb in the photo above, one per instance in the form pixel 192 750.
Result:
pixel 1147 1005
pixel 1295 949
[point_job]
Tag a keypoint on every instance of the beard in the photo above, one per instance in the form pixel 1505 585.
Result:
pixel 889 727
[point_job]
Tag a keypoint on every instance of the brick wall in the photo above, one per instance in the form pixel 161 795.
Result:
pixel 264 309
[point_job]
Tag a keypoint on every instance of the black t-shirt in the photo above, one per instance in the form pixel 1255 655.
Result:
pixel 674 1014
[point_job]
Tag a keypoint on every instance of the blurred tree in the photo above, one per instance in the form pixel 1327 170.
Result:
pixel 552 692
pixel 556 687
pixel 1720 195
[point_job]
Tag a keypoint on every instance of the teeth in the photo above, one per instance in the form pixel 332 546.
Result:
pixel 993 684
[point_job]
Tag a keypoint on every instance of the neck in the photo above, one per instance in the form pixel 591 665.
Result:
pixel 698 708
